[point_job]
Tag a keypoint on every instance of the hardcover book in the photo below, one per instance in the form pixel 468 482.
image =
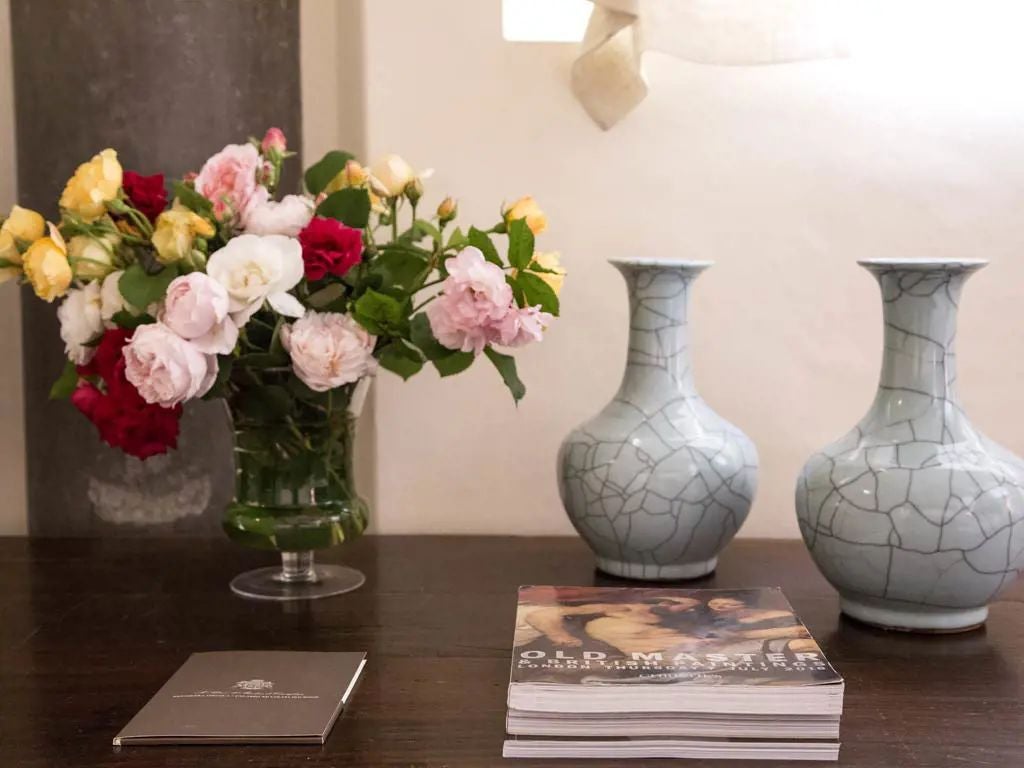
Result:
pixel 248 697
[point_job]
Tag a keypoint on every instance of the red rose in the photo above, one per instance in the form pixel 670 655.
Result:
pixel 107 356
pixel 147 193
pixel 138 428
pixel 85 397
pixel 329 247
pixel 123 418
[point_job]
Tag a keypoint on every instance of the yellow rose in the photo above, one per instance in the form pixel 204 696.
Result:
pixel 175 230
pixel 94 184
pixel 527 208
pixel 392 174
pixel 24 224
pixel 10 259
pixel 352 175
pixel 549 260
pixel 92 258
pixel 46 266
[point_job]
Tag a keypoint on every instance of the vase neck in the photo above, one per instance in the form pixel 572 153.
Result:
pixel 659 338
pixel 920 306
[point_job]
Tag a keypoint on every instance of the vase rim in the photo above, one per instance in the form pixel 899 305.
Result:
pixel 959 265
pixel 648 261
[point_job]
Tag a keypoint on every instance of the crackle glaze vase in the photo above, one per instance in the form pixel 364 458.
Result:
pixel 914 516
pixel 657 483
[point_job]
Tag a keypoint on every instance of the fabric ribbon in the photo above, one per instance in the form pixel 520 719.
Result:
pixel 608 78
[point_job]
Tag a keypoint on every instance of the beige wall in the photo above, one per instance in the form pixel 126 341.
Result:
pixel 783 175
pixel 12 433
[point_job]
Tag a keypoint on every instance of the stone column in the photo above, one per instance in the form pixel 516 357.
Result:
pixel 166 83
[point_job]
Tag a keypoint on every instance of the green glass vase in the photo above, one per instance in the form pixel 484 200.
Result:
pixel 294 488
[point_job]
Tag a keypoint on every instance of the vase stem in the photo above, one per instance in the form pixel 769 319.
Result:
pixel 297 568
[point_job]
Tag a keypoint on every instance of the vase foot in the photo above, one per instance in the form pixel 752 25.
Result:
pixel 922 619
pixel 267 584
pixel 650 572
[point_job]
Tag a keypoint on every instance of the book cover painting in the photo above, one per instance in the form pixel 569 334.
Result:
pixel 607 635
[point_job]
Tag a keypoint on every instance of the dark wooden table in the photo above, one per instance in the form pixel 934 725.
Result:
pixel 90 629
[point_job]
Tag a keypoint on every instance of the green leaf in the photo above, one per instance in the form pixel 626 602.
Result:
pixel 65 385
pixel 191 199
pixel 140 289
pixel 399 267
pixel 128 321
pixel 520 244
pixel 447 361
pixel 420 228
pixel 481 240
pixel 398 357
pixel 320 174
pixel 349 206
pixel 378 312
pixel 423 337
pixel 8 263
pixel 426 229
pixel 506 366
pixel 531 290
pixel 457 239
pixel 454 362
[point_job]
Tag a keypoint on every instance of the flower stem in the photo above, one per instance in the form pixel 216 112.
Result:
pixel 418 307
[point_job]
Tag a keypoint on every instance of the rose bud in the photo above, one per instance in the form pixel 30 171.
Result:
pixel 447 210
pixel 274 141
pixel 414 190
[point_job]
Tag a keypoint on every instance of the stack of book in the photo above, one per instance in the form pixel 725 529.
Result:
pixel 617 673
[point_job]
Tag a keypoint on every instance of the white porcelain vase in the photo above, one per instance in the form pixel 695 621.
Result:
pixel 657 483
pixel 914 516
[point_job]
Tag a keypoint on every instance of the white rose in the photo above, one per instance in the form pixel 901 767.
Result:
pixel 393 174
pixel 111 300
pixel 165 368
pixel 258 268
pixel 196 308
pixel 328 350
pixel 287 217
pixel 80 322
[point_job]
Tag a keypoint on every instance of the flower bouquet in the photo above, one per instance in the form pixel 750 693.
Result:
pixel 284 308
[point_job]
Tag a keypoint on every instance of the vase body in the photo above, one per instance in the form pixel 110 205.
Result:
pixel 914 516
pixel 294 484
pixel 657 483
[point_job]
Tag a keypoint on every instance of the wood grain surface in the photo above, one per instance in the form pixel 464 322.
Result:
pixel 90 629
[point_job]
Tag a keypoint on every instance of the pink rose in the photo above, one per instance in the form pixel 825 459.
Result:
pixel 165 368
pixel 273 140
pixel 288 217
pixel 523 325
pixel 197 309
pixel 328 350
pixel 474 302
pixel 228 180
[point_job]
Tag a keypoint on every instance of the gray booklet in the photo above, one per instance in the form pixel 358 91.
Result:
pixel 248 697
